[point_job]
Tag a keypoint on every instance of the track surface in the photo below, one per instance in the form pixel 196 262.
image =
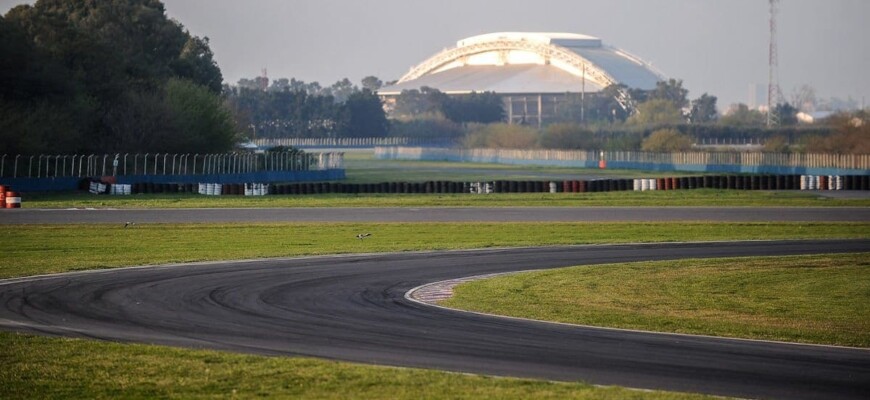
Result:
pixel 353 308
pixel 436 214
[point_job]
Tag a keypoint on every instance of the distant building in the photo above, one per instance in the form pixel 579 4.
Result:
pixel 813 117
pixel 757 96
pixel 533 72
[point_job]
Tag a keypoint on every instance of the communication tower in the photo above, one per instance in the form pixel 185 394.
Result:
pixel 773 92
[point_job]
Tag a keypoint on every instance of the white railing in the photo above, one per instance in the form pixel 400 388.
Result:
pixel 123 164
pixel 746 159
pixel 338 142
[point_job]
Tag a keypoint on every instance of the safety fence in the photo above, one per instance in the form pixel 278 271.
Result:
pixel 724 162
pixel 367 142
pixel 70 172
pixel 87 165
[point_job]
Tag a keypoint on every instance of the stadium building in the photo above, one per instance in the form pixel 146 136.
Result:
pixel 534 73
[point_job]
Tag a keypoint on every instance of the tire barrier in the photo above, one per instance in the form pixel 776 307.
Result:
pixel 755 182
pixel 722 182
pixel 256 189
pixel 13 199
pixel 9 198
pixel 210 189
pixel 97 188
pixel 121 189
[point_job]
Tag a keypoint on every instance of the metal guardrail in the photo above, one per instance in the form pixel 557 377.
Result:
pixel 265 143
pixel 118 164
pixel 754 159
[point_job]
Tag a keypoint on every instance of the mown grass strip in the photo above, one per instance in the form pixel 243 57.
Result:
pixel 810 299
pixel 40 249
pixel 674 198
pixel 40 367
pixel 363 169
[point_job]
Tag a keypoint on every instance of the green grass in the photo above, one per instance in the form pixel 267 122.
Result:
pixel 46 368
pixel 681 198
pixel 362 167
pixel 810 299
pixel 39 367
pixel 40 249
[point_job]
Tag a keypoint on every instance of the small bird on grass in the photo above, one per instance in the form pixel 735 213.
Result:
pixel 362 236
pixel 127 224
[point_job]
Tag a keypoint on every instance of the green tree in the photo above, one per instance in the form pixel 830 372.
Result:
pixel 342 90
pixel 101 67
pixel 433 129
pixel 196 63
pixel 372 83
pixel 202 123
pixel 567 136
pixel 484 108
pixel 598 107
pixel 786 114
pixel 656 112
pixel 703 110
pixel 365 116
pixel 742 116
pixel 666 140
pixel 425 102
pixel 503 136
pixel 671 90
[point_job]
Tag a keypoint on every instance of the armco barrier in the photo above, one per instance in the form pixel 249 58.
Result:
pixel 710 162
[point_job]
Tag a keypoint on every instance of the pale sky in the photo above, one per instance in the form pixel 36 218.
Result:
pixel 714 46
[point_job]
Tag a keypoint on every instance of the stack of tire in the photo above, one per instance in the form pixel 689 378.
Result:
pixel 9 198
pixel 733 182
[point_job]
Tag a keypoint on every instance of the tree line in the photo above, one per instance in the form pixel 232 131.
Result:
pixel 107 76
pixel 120 76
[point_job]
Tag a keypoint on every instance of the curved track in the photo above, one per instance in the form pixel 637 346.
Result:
pixel 353 308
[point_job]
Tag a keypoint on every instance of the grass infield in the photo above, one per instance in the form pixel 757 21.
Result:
pixel 672 198
pixel 41 249
pixel 40 367
pixel 810 299
pixel 44 368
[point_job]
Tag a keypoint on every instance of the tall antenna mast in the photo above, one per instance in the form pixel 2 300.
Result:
pixel 773 92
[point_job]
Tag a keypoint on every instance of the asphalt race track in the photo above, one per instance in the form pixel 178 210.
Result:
pixel 438 214
pixel 354 308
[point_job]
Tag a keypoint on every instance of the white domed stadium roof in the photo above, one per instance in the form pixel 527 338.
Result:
pixel 528 62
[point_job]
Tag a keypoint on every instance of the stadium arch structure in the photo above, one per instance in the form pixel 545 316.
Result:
pixel 533 72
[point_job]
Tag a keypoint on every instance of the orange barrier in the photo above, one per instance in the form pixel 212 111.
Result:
pixel 13 200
